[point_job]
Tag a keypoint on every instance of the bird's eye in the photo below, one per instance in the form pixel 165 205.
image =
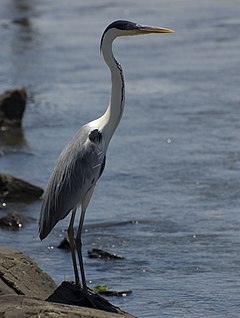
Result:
pixel 95 136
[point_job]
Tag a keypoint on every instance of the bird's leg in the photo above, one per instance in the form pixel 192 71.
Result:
pixel 73 246
pixel 79 251
pixel 88 294
pixel 97 301
pixel 78 239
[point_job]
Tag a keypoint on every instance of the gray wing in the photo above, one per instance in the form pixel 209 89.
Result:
pixel 77 170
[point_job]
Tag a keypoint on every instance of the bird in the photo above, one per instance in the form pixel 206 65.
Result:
pixel 81 163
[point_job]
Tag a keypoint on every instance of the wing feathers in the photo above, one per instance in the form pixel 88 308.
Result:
pixel 77 169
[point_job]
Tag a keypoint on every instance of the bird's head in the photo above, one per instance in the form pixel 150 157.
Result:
pixel 126 28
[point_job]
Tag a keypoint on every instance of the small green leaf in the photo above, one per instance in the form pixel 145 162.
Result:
pixel 100 288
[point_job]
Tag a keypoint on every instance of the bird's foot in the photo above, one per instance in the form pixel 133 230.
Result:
pixel 98 301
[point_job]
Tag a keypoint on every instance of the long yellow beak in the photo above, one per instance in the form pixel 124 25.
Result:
pixel 144 29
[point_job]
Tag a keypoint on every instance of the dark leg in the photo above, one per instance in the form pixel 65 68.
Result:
pixel 79 251
pixel 78 240
pixel 73 247
pixel 96 300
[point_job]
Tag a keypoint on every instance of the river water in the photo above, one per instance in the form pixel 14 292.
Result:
pixel 169 198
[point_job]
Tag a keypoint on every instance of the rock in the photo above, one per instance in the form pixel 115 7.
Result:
pixel 71 294
pixel 15 220
pixel 64 244
pixel 12 306
pixel 99 253
pixel 16 189
pixel 24 286
pixel 93 253
pixel 12 106
pixel 20 275
pixel 11 137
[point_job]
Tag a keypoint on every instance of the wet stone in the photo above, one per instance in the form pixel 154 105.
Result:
pixel 64 244
pixel 13 188
pixel 15 220
pixel 71 294
pixel 12 107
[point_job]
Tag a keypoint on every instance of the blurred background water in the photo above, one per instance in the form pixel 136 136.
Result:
pixel 169 198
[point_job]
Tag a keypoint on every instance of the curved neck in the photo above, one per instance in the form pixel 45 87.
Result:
pixel 113 114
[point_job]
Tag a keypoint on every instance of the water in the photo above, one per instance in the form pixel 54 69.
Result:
pixel 170 194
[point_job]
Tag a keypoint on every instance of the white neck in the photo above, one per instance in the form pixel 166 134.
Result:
pixel 111 118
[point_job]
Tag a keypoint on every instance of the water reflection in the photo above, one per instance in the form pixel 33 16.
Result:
pixel 25 24
pixel 23 10
pixel 23 40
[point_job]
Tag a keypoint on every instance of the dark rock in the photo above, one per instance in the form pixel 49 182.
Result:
pixel 99 253
pixel 64 244
pixel 16 189
pixel 71 294
pixel 15 220
pixel 12 106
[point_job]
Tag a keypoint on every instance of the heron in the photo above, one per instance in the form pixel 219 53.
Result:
pixel 81 163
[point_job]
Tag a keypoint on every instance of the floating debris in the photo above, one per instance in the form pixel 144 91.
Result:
pixel 104 290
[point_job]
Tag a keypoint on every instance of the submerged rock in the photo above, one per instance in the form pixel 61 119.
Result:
pixel 12 107
pixel 15 220
pixel 11 137
pixel 99 253
pixel 64 244
pixel 16 189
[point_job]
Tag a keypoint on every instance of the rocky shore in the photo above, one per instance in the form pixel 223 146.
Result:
pixel 24 288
